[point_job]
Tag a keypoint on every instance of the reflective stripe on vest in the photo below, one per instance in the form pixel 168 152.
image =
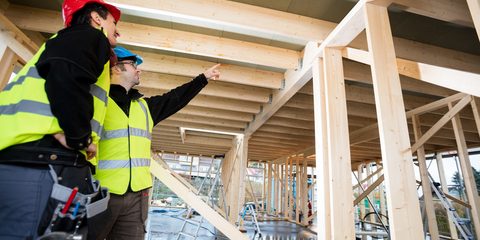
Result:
pixel 124 149
pixel 26 94
pixel 112 164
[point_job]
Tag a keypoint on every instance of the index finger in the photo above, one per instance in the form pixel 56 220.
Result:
pixel 216 66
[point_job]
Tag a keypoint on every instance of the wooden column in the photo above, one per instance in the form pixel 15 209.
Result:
pixel 7 64
pixel 427 190
pixel 286 188
pixel 269 188
pixel 443 182
pixel 470 185
pixel 297 188
pixel 305 192
pixel 276 189
pixel 361 205
pixel 321 154
pixel 403 206
pixel 264 186
pixel 338 146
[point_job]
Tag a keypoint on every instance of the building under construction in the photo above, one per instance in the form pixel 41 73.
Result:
pixel 338 117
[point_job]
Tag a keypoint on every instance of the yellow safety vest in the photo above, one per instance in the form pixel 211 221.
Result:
pixel 124 149
pixel 25 113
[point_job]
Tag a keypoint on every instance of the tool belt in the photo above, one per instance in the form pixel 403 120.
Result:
pixel 42 155
pixel 74 215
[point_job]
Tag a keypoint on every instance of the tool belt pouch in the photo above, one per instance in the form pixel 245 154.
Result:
pixel 69 222
pixel 82 222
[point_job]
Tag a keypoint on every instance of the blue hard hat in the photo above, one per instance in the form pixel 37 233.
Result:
pixel 122 53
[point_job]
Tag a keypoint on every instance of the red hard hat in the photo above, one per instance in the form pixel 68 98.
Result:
pixel 70 7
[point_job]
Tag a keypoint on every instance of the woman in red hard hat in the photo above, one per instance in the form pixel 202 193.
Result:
pixel 51 116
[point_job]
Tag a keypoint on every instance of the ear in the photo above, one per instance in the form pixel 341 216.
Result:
pixel 96 19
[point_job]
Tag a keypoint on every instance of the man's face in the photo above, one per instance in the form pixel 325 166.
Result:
pixel 130 72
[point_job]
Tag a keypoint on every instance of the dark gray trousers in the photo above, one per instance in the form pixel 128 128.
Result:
pixel 24 192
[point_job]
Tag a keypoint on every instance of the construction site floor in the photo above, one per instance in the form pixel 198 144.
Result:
pixel 165 223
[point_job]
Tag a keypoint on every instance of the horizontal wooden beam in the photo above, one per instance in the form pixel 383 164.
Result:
pixel 446 10
pixel 232 17
pixel 181 66
pixel 168 39
pixel 214 88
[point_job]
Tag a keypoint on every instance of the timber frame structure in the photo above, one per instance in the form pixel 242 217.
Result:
pixel 298 93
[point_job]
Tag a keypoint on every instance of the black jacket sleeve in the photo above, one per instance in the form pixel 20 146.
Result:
pixel 71 62
pixel 165 105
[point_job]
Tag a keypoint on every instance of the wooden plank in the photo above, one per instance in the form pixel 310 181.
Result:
pixel 470 185
pixel 474 6
pixel 17 47
pixel 7 63
pixel 444 184
pixel 445 119
pixel 403 206
pixel 294 80
pixel 321 152
pixel 369 190
pixel 169 40
pixel 476 112
pixel 232 17
pixel 349 28
pixel 379 170
pixel 193 200
pixel 466 82
pixel 214 88
pixel 446 10
pixel 426 189
pixel 174 65
pixel 338 146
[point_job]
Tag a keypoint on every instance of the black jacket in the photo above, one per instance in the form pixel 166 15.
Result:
pixel 71 62
pixel 160 106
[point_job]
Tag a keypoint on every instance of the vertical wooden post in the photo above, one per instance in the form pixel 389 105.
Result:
pixel 361 205
pixel 476 112
pixel 338 146
pixel 298 184
pixel 403 206
pixel 443 182
pixel 305 192
pixel 7 63
pixel 277 188
pixel 427 190
pixel 269 188
pixel 264 186
pixel 286 189
pixel 468 178
pixel 321 153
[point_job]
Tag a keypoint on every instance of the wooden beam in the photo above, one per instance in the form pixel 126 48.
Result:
pixel 294 80
pixel 437 75
pixel 445 119
pixel 193 200
pixel 174 65
pixel 338 146
pixel 169 40
pixel 7 26
pixel 426 189
pixel 474 6
pixel 444 184
pixel 232 17
pixel 468 178
pixel 7 63
pixel 446 10
pixel 321 152
pixel 217 89
pixel 404 214
pixel 17 47
pixel 369 190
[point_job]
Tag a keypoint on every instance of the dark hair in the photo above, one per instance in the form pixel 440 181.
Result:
pixel 82 16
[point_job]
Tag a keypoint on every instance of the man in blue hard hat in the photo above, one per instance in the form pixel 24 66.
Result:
pixel 124 149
